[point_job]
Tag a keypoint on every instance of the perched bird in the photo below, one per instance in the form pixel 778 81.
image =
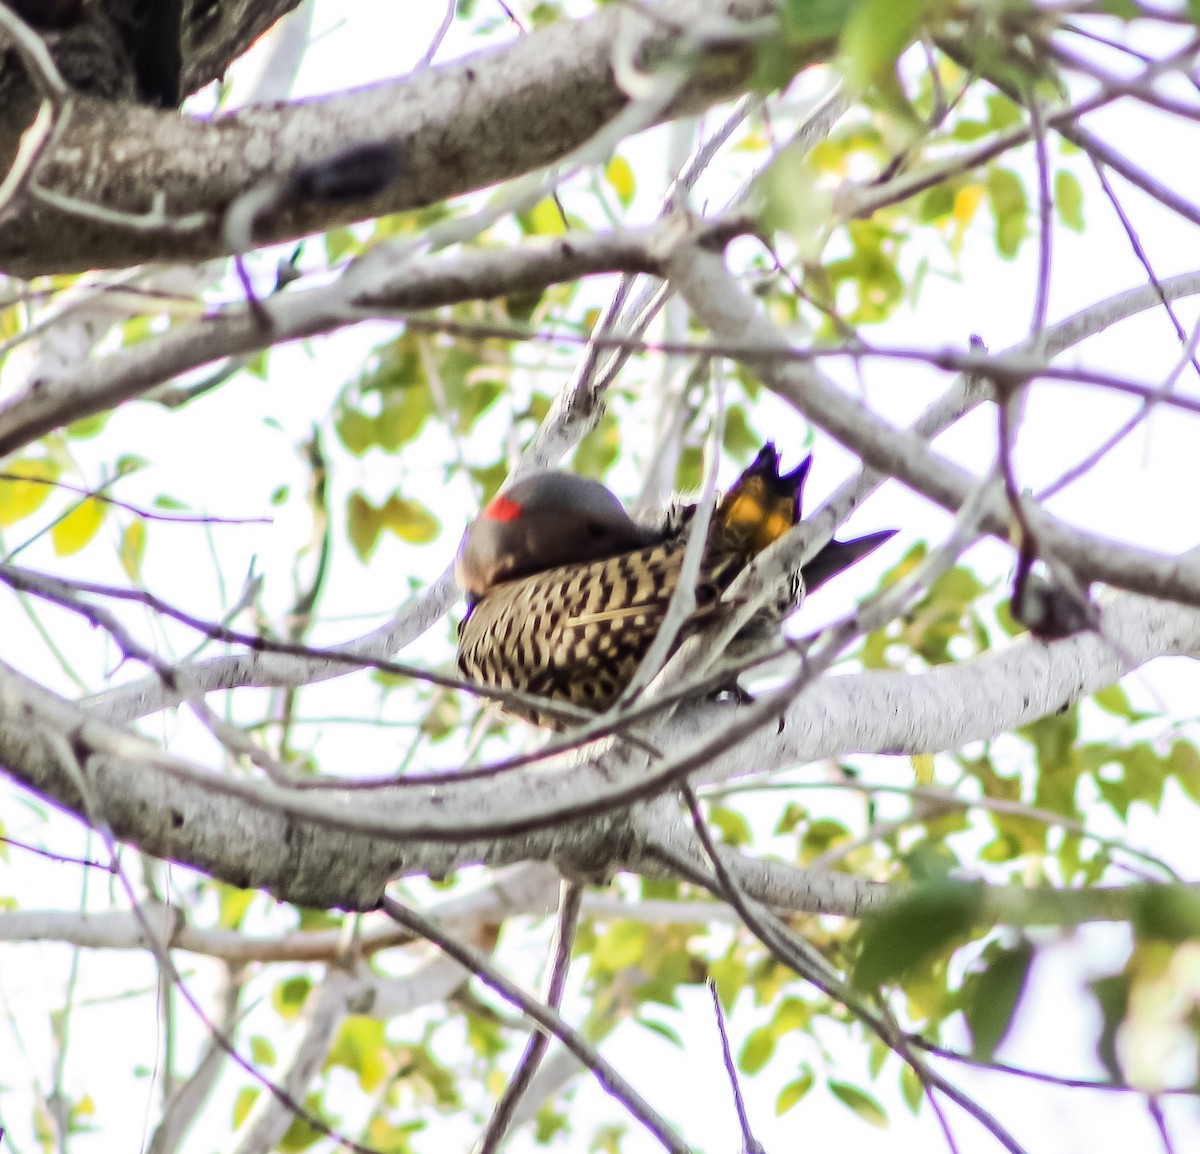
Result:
pixel 566 592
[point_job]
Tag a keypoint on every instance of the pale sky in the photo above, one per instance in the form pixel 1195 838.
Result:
pixel 1144 492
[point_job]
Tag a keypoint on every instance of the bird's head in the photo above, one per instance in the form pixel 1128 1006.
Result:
pixel 544 520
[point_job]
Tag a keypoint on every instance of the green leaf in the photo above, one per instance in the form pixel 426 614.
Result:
pixel 387 1137
pixel 729 973
pixel 443 717
pixel 794 201
pixel 233 905
pixel 262 1053
pixel 875 35
pixel 740 438
pixel 355 430
pixel 87 427
pixel 73 532
pixel 1115 700
pixel 362 525
pixel 689 469
pixel 790 816
pixel 1112 996
pixel 300 1135
pixel 403 414
pixel 361 1047
pixel 1002 112
pixel 660 1028
pixel 791 1014
pixel 480 395
pixel 128 464
pixel 550 1122
pixel 599 449
pixel 243 1103
pixel 289 996
pixel 809 20
pixel 1143 779
pixel 878 1052
pixel 821 836
pixel 991 997
pixel 732 826
pixel 866 1107
pixel 1010 209
pixel 621 946
pixel 776 62
pixel 1068 199
pixel 756 1050
pixel 969 130
pixel 793 1092
pixel 910 932
pixel 871 270
pixel 410 520
pixel 339 243
pixel 936 204
pixel 1183 763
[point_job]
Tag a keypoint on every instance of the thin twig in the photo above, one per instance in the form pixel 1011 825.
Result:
pixel 440 35
pixel 549 1020
pixel 1040 1075
pixel 750 1144
pixel 74 756
pixel 569 905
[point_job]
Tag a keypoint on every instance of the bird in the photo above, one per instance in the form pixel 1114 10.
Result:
pixel 566 591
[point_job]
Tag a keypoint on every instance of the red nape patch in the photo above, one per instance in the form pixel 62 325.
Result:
pixel 503 509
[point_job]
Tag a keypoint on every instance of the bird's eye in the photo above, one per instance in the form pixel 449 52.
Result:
pixel 597 530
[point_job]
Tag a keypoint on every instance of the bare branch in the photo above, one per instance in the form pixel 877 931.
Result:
pixel 570 903
pixel 543 1016
pixel 458 126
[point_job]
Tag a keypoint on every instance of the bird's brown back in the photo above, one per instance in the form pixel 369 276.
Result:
pixel 575 633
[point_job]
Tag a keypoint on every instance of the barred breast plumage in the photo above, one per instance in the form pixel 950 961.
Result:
pixel 574 633
pixel 566 592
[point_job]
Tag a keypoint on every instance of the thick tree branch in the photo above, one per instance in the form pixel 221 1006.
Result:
pixel 456 127
pixel 340 848
pixel 390 282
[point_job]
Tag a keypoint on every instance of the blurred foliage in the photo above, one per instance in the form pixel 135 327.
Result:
pixel 430 420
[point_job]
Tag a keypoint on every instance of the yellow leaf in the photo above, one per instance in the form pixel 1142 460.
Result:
pixel 133 548
pixel 409 520
pixel 923 768
pixel 966 201
pixel 78 527
pixel 19 498
pixel 10 323
pixel 619 175
pixel 545 219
